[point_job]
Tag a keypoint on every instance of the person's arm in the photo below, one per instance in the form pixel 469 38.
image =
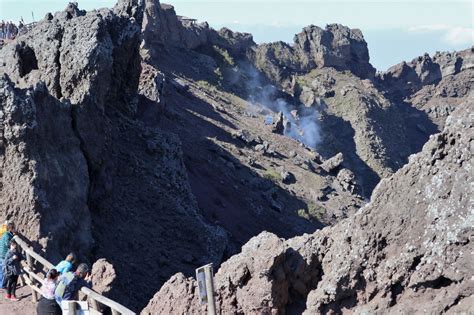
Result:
pixel 9 258
pixel 67 268
pixel 87 281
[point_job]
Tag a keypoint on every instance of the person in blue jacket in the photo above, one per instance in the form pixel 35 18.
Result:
pixel 66 264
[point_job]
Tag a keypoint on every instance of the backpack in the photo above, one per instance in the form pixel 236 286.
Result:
pixel 64 281
pixel 3 229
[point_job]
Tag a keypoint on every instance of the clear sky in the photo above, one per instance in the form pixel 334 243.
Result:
pixel 394 30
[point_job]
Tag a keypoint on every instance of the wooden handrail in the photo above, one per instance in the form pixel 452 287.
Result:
pixel 32 253
pixel 93 296
pixel 106 301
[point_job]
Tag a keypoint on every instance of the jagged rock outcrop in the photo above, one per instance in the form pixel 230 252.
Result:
pixel 80 169
pixel 405 78
pixel 162 28
pixel 151 88
pixel 408 250
pixel 337 46
pixel 40 156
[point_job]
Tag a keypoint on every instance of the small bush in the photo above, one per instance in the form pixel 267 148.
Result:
pixel 205 85
pixel 316 211
pixel 312 212
pixel 224 56
pixel 303 213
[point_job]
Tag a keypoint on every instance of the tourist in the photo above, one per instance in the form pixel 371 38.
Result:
pixel 70 283
pixel 11 270
pixel 4 244
pixel 2 29
pixel 66 264
pixel 47 304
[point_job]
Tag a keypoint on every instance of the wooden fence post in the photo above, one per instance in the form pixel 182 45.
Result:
pixel 94 304
pixel 71 307
pixel 29 261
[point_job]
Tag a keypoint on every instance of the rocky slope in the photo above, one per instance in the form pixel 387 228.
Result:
pixel 367 263
pixel 230 152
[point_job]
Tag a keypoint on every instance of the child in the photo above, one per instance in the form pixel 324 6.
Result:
pixel 47 305
pixel 66 265
pixel 12 269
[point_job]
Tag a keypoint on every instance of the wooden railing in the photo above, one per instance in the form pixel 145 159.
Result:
pixel 98 303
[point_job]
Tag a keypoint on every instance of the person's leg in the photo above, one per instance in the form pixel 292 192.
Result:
pixel 14 283
pixel 8 286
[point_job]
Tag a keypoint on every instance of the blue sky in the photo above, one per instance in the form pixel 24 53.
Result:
pixel 394 30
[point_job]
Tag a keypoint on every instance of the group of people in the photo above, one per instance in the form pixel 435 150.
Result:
pixel 8 30
pixel 61 282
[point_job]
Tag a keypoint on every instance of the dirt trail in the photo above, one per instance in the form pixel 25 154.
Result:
pixel 23 307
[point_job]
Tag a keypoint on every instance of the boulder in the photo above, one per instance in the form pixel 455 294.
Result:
pixel 103 275
pixel 333 163
pixel 287 177
pixel 248 138
pixel 347 181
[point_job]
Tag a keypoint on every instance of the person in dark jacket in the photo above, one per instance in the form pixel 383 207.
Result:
pixel 11 270
pixel 47 305
pixel 4 244
pixel 70 284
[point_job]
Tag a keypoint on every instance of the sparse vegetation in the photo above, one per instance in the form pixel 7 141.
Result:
pixel 206 85
pixel 272 175
pixel 316 211
pixel 219 75
pixel 224 56
pixel 303 213
pixel 312 212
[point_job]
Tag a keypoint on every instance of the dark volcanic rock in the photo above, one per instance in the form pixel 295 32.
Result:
pixel 40 156
pixel 79 171
pixel 409 249
pixel 336 46
pixel 162 28
pixel 404 78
